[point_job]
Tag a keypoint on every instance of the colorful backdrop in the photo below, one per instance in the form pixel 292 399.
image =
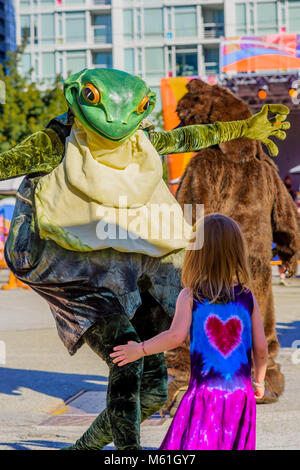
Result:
pixel 278 52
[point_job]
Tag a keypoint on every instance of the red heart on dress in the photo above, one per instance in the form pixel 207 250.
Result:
pixel 224 336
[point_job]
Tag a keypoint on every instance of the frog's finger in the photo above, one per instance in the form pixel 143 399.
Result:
pixel 281 125
pixel 279 134
pixel 284 125
pixel 280 117
pixel 273 150
pixel 264 110
pixel 278 109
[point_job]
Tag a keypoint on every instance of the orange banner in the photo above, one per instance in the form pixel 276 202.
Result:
pixel 172 90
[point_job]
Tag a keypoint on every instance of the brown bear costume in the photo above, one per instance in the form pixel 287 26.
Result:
pixel 239 180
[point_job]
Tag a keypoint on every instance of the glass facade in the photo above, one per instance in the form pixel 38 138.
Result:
pixel 7 28
pixel 102 60
pixel 102 29
pixel 185 22
pixel 153 23
pixel 267 17
pixel 294 16
pixel 76 61
pixel 267 20
pixel 152 39
pixel 75 26
pixel 186 61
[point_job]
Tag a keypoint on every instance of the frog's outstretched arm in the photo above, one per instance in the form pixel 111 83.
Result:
pixel 40 152
pixel 196 137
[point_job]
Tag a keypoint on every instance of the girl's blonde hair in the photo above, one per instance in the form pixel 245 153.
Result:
pixel 212 271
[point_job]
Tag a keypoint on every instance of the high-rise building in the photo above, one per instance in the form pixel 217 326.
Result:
pixel 7 28
pixel 150 38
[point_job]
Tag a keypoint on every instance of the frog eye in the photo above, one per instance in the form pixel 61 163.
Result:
pixel 144 105
pixel 91 94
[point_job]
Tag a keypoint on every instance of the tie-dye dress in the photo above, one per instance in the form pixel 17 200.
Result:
pixel 218 411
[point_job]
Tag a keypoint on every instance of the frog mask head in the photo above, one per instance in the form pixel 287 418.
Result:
pixel 109 102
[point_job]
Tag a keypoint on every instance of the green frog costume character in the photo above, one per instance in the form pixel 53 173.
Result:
pixel 85 237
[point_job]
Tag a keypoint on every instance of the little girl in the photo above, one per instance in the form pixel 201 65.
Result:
pixel 218 411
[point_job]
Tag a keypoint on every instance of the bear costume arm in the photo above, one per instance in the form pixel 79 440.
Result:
pixel 286 227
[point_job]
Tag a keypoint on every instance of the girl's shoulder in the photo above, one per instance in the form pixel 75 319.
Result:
pixel 244 296
pixel 185 295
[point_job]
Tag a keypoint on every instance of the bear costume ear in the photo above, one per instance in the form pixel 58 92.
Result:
pixel 207 104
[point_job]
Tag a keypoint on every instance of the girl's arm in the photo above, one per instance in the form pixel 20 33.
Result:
pixel 260 351
pixel 169 339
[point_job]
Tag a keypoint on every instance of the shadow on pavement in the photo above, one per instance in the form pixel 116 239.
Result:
pixel 288 333
pixel 30 445
pixel 27 445
pixel 55 384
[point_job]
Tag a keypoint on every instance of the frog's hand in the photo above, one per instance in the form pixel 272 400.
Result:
pixel 259 127
pixel 41 151
pixel 196 137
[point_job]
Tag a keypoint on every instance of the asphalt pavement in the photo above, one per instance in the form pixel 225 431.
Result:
pixel 48 398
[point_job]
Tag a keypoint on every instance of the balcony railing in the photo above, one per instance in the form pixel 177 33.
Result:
pixel 102 35
pixel 213 30
pixel 102 2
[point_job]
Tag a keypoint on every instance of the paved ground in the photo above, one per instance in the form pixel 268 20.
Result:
pixel 39 376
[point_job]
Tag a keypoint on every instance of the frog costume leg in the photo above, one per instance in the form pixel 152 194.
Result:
pixel 135 391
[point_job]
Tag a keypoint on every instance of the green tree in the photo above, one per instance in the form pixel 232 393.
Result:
pixel 28 107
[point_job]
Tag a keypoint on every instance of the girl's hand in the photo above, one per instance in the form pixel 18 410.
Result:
pixel 259 390
pixel 126 353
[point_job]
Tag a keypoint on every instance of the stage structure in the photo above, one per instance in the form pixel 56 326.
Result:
pixel 259 69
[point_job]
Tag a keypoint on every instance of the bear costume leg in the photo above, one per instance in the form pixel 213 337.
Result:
pixel 135 391
pixel 262 289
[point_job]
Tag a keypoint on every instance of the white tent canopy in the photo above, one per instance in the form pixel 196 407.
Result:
pixel 296 169
pixel 11 185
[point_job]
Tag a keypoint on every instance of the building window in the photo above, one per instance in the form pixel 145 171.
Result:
pixel 155 62
pixel 47 3
pixel 25 27
pixel 185 21
pixel 47 29
pixel 211 59
pixel 267 21
pixel 74 2
pixel 48 64
pixel 75 27
pixel 129 63
pixel 103 60
pixel 128 24
pixel 104 2
pixel 186 61
pixel 102 29
pixel 213 20
pixel 241 18
pixel 294 16
pixel 76 61
pixel 24 3
pixel 153 23
pixel 26 63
